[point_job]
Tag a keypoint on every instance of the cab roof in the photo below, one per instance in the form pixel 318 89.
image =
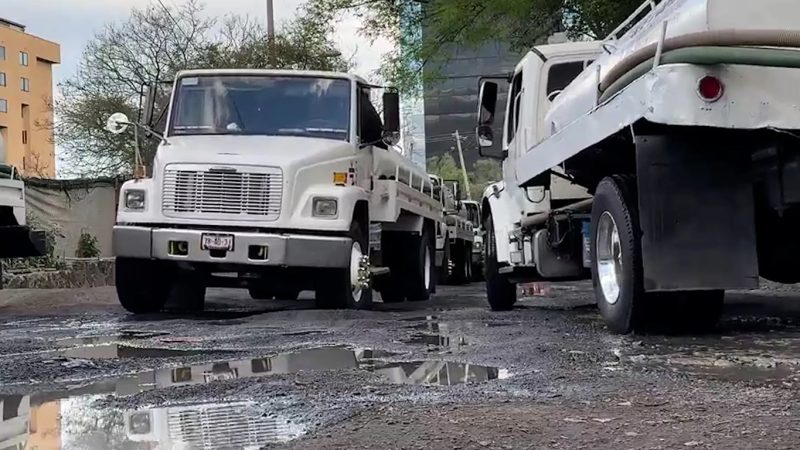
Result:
pixel 272 72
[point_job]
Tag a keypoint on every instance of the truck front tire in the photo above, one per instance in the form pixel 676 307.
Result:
pixel 501 293
pixel 142 285
pixel 339 289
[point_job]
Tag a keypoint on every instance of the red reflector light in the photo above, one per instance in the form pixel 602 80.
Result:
pixel 710 88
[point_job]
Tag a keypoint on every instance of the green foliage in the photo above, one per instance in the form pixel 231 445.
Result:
pixel 87 246
pixel 483 173
pixel 426 32
pixel 151 46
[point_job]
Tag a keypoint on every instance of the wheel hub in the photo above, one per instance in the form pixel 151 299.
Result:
pixel 360 273
pixel 609 258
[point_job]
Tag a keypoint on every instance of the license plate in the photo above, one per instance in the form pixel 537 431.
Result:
pixel 219 376
pixel 217 242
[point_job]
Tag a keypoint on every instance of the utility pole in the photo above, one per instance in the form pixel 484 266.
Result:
pixel 463 166
pixel 270 20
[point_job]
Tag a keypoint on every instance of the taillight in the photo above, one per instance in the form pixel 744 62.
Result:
pixel 710 88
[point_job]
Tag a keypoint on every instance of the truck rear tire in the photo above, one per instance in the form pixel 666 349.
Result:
pixel 444 272
pixel 422 267
pixel 617 255
pixel 142 285
pixel 340 289
pixel 501 293
pixel 460 264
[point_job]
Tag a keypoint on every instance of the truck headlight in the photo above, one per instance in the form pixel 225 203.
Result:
pixel 326 207
pixel 140 423
pixel 134 199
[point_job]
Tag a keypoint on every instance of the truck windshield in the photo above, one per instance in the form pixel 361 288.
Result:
pixel 262 105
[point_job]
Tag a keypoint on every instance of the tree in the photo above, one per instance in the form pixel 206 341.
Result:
pixel 427 32
pixel 151 46
pixel 483 173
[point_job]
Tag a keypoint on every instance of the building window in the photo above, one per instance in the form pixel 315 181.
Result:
pixel 25 84
pixel 2 79
pixel 23 58
pixel 24 137
pixel 2 53
pixel 3 105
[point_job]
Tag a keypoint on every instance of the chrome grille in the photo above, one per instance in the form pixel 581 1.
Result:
pixel 190 190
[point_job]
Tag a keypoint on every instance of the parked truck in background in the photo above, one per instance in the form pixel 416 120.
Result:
pixel 279 182
pixel 683 127
pixel 473 210
pixel 455 235
pixel 17 240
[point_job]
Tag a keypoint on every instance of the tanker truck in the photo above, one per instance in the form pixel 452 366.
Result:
pixel 662 162
pixel 17 240
pixel 277 182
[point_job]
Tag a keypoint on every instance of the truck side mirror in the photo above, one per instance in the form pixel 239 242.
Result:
pixel 148 108
pixel 487 105
pixel 391 112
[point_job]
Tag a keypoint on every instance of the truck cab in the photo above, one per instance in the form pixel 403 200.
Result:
pixel 273 178
pixel 538 79
pixel 473 210
pixel 455 237
pixel 17 240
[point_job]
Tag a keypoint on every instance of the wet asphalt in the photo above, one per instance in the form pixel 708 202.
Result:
pixel 448 373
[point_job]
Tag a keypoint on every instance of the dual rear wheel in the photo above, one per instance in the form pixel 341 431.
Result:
pixel 617 272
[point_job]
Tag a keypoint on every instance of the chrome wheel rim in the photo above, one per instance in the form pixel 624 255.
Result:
pixel 355 266
pixel 427 268
pixel 609 258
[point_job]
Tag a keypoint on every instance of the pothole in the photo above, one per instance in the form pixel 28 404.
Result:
pixel 124 335
pixel 58 420
pixel 123 351
pixel 71 416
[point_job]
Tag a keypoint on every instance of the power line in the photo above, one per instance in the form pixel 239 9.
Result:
pixel 174 22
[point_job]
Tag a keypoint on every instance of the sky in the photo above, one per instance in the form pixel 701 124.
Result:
pixel 72 23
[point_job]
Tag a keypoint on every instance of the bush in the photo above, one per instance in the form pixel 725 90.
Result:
pixel 87 246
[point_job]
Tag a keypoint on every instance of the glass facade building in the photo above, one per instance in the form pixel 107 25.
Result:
pixel 451 103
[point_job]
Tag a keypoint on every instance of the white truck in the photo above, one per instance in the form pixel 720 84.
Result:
pixel 17 240
pixel 473 210
pixel 279 182
pixel 454 236
pixel 683 127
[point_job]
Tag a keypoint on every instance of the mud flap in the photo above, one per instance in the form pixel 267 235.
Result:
pixel 21 242
pixel 696 212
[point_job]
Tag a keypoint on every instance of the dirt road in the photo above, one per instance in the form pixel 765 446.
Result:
pixel 78 372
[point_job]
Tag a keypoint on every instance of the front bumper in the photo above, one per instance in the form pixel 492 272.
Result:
pixel 285 250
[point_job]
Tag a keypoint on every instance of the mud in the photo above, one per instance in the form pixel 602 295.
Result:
pixel 442 374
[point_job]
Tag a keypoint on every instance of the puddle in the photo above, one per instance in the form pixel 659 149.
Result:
pixel 438 342
pixel 122 351
pixel 125 335
pixel 71 422
pixel 770 359
pixel 305 333
pixel 67 419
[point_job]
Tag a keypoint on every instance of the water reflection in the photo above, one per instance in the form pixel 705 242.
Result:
pixel 72 423
pixel 66 419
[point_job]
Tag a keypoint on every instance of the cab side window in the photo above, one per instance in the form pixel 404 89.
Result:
pixel 370 125
pixel 513 114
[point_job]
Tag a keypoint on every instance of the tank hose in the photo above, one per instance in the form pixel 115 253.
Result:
pixel 716 38
pixel 765 57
